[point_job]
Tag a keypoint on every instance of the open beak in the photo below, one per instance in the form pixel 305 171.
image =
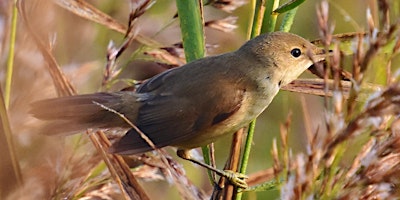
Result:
pixel 319 66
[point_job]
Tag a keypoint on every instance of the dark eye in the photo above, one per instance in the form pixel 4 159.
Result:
pixel 295 52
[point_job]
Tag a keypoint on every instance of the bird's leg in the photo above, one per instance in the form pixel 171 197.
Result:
pixel 235 178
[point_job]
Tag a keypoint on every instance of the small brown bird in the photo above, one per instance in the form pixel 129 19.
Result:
pixel 193 105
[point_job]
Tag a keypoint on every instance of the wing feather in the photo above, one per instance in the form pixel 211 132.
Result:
pixel 172 118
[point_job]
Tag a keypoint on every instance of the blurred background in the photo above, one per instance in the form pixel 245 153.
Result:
pixel 80 48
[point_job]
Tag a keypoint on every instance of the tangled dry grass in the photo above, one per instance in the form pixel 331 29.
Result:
pixel 357 157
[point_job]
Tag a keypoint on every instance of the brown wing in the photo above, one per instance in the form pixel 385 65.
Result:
pixel 173 117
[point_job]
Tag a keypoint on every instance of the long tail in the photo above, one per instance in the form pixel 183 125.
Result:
pixel 68 115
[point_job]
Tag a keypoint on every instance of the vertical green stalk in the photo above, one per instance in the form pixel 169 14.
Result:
pixel 9 167
pixel 288 20
pixel 246 152
pixel 190 15
pixel 270 17
pixel 258 17
pixel 191 22
pixel 11 53
pixel 252 18
pixel 259 9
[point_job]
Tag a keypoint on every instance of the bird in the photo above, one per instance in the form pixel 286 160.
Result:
pixel 192 105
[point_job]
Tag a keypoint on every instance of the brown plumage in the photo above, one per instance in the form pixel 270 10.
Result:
pixel 192 105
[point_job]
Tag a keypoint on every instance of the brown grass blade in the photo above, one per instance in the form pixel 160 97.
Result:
pixel 89 12
pixel 118 168
pixel 10 172
pixel 63 86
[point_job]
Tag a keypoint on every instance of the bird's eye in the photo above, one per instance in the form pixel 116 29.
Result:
pixel 295 52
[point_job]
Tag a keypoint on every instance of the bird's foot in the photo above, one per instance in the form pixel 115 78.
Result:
pixel 236 178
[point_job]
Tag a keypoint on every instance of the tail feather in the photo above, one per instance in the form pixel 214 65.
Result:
pixel 68 115
pixel 64 127
pixel 71 106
